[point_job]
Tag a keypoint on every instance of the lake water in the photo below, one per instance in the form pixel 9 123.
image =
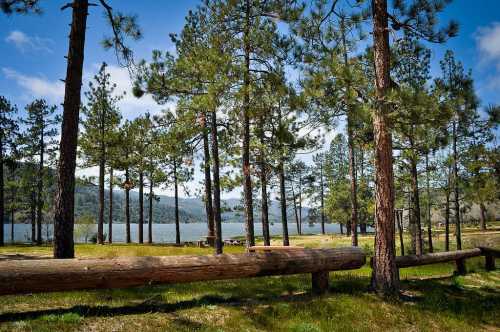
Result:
pixel 165 233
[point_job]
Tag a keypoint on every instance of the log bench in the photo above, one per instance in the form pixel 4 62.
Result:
pixel 459 256
pixel 48 275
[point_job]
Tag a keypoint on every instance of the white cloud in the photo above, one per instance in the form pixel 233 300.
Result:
pixel 488 46
pixel 37 87
pixel 24 43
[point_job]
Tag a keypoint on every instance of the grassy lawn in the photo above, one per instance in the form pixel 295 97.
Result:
pixel 434 299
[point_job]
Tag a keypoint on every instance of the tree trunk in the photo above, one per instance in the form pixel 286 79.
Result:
pixel 100 220
pixel 33 216
pixel 322 197
pixel 263 187
pixel 247 179
pixel 295 209
pixel 284 217
pixel 176 198
pixel 110 222
pixel 447 223
pixel 385 277
pixel 416 206
pixel 12 220
pixel 399 219
pixel 150 219
pixel 350 142
pixel 208 183
pixel 39 212
pixel 215 171
pixel 458 232
pixel 482 225
pixel 341 229
pixel 2 196
pixel 65 195
pixel 300 204
pixel 429 221
pixel 141 207
pixel 127 206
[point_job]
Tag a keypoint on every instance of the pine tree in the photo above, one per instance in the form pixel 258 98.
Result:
pixel 8 129
pixel 420 18
pixel 39 140
pixel 100 131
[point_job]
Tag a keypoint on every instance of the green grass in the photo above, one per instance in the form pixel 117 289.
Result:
pixel 433 298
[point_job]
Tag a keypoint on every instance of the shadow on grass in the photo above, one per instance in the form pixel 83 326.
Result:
pixel 438 296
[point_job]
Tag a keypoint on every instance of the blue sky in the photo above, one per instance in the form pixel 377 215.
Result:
pixel 32 48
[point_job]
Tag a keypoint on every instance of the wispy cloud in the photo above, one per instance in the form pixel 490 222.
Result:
pixel 488 47
pixel 37 87
pixel 24 42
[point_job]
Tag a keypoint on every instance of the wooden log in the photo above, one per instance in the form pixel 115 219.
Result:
pixel 30 276
pixel 439 257
pixel 273 248
pixel 320 282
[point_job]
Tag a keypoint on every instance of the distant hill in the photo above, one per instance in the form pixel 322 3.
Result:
pixel 191 210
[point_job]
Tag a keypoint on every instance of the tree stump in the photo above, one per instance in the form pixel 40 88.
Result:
pixel 320 282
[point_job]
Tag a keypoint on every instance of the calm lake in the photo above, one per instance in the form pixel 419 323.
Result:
pixel 165 233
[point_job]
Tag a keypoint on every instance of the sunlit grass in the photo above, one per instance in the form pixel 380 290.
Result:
pixel 436 299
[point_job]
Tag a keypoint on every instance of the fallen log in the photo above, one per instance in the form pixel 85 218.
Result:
pixel 438 257
pixel 273 248
pixel 48 275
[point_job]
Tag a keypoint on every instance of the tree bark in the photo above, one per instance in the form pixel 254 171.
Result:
pixel 150 219
pixel 141 207
pixel 447 223
pixel 350 142
pixel 65 195
pixel 458 232
pixel 127 206
pixel 100 220
pixel 322 197
pixel 12 221
pixel 208 183
pixel 284 217
pixel 263 187
pixel 176 198
pixel 33 216
pixel 247 179
pixel 399 219
pixel 295 209
pixel 482 224
pixel 429 221
pixel 39 212
pixel 215 171
pixel 110 222
pixel 416 206
pixel 385 277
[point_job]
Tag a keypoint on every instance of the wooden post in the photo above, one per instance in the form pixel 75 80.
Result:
pixel 320 282
pixel 489 262
pixel 461 269
pixel 489 255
